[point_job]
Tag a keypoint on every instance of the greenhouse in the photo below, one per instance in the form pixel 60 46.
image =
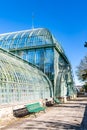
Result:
pixel 21 81
pixel 39 47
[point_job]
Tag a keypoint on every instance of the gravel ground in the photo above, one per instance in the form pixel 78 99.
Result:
pixel 69 116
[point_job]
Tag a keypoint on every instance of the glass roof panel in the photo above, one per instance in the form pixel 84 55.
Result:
pixel 28 38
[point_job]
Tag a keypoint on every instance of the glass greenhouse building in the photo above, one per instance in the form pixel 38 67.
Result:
pixel 21 81
pixel 39 47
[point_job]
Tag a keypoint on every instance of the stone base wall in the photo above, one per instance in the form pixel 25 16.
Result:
pixel 63 99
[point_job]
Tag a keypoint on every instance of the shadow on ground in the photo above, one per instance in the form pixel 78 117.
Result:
pixel 52 125
pixel 84 121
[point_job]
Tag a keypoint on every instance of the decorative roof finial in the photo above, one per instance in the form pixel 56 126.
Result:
pixel 32 20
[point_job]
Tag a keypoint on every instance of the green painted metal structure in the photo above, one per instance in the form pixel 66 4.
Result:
pixel 39 47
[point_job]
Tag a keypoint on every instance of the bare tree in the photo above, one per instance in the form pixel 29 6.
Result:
pixel 82 70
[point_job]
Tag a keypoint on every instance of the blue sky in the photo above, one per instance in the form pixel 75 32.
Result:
pixel 66 19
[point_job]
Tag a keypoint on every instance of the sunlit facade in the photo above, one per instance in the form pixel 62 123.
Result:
pixel 39 47
pixel 21 81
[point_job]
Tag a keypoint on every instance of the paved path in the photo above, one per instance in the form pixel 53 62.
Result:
pixel 69 116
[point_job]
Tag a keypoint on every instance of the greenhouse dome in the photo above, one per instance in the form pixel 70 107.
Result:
pixel 27 38
pixel 21 81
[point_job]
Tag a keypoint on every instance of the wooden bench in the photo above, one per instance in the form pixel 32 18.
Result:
pixel 20 112
pixel 35 107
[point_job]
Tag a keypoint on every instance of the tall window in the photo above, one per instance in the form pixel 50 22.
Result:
pixel 49 62
pixel 40 58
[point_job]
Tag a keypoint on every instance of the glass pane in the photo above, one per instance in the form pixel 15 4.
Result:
pixel 31 56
